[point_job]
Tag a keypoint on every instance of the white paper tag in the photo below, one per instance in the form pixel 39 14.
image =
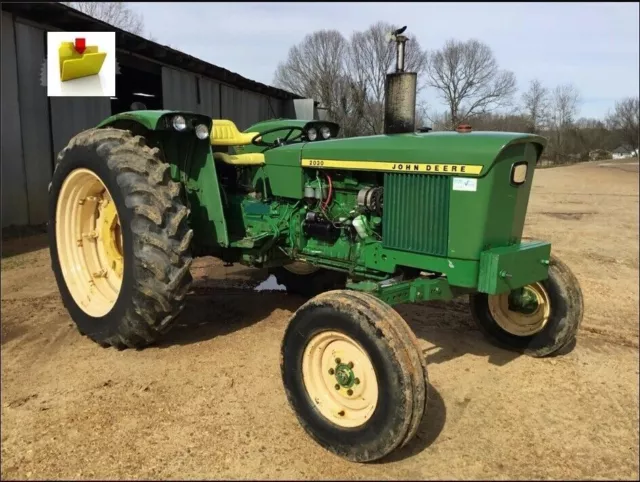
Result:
pixel 464 184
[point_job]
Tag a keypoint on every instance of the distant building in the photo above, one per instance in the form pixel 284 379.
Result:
pixel 623 152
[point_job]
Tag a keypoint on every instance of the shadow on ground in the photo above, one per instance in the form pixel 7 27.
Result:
pixel 217 307
pixel 15 241
pixel 449 327
pixel 432 425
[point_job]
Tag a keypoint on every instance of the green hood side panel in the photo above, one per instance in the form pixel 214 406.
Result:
pixel 284 172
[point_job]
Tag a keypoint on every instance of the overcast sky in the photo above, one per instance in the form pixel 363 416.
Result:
pixel 594 45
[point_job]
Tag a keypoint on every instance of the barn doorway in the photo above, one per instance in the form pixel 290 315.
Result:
pixel 138 81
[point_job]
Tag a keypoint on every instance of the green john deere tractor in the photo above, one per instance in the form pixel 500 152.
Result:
pixel 357 225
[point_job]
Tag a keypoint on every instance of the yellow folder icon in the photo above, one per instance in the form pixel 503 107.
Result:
pixel 74 65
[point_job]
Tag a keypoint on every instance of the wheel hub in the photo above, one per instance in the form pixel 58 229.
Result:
pixel 522 312
pixel 344 375
pixel 523 300
pixel 340 379
pixel 111 234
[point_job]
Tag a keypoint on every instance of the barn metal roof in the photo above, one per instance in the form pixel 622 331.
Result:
pixel 66 18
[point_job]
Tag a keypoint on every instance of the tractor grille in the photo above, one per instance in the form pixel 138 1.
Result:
pixel 416 213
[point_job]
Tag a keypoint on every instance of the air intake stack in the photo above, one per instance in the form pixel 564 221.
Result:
pixel 400 92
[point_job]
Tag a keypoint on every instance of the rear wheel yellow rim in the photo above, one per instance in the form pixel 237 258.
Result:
pixel 89 242
pixel 516 322
pixel 340 379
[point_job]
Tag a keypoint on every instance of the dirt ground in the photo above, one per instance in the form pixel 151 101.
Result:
pixel 208 402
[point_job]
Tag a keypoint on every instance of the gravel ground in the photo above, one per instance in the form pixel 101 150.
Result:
pixel 207 402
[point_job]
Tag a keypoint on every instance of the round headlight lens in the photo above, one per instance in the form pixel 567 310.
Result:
pixel 202 132
pixel 312 134
pixel 325 132
pixel 179 123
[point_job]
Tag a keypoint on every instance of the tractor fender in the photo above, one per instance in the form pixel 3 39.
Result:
pixel 153 120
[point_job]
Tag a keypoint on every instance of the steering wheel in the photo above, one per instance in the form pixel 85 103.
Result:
pixel 279 141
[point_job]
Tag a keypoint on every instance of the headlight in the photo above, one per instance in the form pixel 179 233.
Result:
pixel 202 132
pixel 312 134
pixel 179 123
pixel 325 132
pixel 519 173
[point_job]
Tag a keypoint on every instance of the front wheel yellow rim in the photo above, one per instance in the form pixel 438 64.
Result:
pixel 520 323
pixel 89 242
pixel 340 379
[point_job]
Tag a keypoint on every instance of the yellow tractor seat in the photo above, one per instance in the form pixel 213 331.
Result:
pixel 225 133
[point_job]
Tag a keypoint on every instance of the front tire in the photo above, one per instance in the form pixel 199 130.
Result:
pixel 354 375
pixel 548 328
pixel 118 237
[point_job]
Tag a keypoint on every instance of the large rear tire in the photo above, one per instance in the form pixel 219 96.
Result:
pixel 354 375
pixel 119 239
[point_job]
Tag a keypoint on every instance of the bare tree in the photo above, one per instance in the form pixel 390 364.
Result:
pixel 564 105
pixel 118 14
pixel 591 135
pixel 536 105
pixel 440 121
pixel 565 100
pixel 316 69
pixel 467 77
pixel 347 76
pixel 500 122
pixel 370 57
pixel 626 119
pixel 422 115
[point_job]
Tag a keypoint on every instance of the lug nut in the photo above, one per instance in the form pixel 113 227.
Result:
pixel 349 392
pixel 357 381
pixel 337 387
pixel 350 364
pixel 331 371
pixel 337 361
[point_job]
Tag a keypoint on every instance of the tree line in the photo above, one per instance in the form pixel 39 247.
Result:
pixel 347 77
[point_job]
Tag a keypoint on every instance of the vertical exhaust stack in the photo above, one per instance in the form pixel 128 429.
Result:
pixel 400 92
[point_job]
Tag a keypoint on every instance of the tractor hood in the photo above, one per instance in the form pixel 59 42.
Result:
pixel 475 152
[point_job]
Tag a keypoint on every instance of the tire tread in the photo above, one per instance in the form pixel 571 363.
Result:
pixel 160 221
